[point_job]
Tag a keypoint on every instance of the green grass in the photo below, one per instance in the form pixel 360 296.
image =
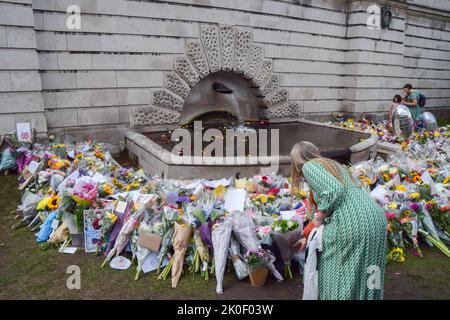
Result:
pixel 443 122
pixel 28 272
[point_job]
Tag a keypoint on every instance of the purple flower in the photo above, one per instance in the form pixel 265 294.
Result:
pixel 183 199
pixel 414 206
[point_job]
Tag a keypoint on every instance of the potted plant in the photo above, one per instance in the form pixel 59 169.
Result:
pixel 256 260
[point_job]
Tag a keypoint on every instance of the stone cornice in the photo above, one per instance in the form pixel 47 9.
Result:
pixel 412 9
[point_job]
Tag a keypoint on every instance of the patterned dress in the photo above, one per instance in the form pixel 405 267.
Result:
pixel 351 266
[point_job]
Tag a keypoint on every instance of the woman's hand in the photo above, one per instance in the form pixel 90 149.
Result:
pixel 300 245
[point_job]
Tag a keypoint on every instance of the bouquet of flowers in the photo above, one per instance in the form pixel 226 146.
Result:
pixel 257 257
pixel 169 216
pixel 201 253
pixel 239 266
pixel 180 242
pixel 244 230
pixel 285 233
pixel 221 235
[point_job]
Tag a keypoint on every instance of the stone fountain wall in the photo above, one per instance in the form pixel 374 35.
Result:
pixel 134 62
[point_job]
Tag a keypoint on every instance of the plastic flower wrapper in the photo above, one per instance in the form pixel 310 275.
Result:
pixel 60 235
pixel 27 208
pixel 7 160
pixel 170 215
pixel 244 230
pixel 46 228
pixel 239 266
pixel 107 226
pixel 180 242
pixel 202 252
pixel 285 233
pixel 125 233
pixel 221 235
pixel 59 150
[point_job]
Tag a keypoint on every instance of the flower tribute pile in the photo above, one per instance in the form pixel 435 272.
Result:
pixel 78 195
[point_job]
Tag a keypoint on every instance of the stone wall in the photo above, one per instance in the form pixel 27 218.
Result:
pixel 20 83
pixel 321 52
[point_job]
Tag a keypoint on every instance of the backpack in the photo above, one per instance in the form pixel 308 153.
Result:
pixel 422 100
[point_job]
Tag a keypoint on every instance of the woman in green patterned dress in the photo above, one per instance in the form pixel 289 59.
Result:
pixel 352 263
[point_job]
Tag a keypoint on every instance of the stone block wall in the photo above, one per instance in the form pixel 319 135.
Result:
pixel 320 51
pixel 20 84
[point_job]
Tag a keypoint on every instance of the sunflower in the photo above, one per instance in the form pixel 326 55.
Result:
pixel 53 202
pixel 117 183
pixel 416 178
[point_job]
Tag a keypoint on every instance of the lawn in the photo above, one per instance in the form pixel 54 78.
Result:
pixel 29 272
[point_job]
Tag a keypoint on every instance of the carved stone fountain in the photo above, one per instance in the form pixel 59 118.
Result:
pixel 224 78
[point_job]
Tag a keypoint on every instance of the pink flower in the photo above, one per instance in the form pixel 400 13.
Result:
pixel 265 230
pixel 390 215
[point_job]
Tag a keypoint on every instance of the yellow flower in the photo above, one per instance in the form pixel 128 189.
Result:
pixel 53 202
pixel 107 188
pixel 400 187
pixel 99 154
pixel 271 197
pixel 398 254
pixel 263 199
pixel 414 195
pixel 437 134
pixel 111 216
pixel 42 205
pixel 446 180
pixel 392 205
pixel 117 183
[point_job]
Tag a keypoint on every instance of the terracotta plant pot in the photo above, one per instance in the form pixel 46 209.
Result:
pixel 258 276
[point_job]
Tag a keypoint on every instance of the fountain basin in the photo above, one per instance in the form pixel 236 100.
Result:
pixel 338 143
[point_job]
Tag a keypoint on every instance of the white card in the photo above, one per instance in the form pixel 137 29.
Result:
pixel 215 183
pixel 99 178
pixel 121 207
pixel 55 223
pixel 71 154
pixel 235 200
pixel 151 262
pixel 287 215
pixel 23 132
pixel 32 167
pixel 69 250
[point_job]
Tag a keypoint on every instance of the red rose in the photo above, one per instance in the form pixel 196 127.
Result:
pixel 274 191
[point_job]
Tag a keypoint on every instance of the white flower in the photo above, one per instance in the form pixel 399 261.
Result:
pixel 277 229
pixel 290 224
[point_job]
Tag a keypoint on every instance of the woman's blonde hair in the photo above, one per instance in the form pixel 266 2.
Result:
pixel 305 151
